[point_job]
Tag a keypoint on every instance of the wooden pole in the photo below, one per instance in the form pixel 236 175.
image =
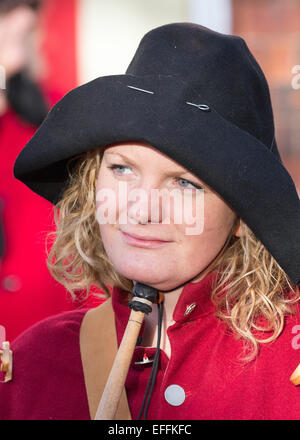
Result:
pixel 113 389
pixel 295 377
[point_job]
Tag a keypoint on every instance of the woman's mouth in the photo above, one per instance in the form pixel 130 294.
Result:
pixel 143 241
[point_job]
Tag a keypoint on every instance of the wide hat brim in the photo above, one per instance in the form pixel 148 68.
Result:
pixel 239 167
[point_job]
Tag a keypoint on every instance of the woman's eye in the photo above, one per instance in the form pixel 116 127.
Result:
pixel 120 169
pixel 187 184
pixel 123 170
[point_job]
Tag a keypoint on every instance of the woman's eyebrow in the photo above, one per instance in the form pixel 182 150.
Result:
pixel 130 160
pixel 125 158
pixel 174 172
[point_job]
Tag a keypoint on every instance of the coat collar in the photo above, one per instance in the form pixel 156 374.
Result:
pixel 193 303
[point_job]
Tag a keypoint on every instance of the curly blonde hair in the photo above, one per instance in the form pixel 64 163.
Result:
pixel 251 291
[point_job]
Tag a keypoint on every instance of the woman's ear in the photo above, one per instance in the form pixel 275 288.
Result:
pixel 239 230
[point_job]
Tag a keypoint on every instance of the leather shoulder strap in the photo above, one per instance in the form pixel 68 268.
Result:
pixel 98 348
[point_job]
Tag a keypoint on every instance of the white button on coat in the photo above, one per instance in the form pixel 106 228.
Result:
pixel 175 395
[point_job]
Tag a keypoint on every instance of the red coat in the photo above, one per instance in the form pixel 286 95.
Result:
pixel 213 384
pixel 26 218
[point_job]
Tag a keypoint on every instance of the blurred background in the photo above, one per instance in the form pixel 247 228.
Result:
pixel 48 47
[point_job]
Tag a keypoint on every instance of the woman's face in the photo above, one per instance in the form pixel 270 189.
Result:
pixel 147 238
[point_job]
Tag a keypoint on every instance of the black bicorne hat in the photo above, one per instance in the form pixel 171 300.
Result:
pixel 197 96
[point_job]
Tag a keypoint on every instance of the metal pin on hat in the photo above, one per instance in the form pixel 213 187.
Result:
pixel 141 90
pixel 202 107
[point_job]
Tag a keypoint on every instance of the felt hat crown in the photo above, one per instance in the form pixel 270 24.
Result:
pixel 197 96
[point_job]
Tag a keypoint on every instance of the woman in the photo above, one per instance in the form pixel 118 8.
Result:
pixel 191 117
pixel 23 107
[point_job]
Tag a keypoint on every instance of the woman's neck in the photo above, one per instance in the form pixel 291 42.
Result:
pixel 151 321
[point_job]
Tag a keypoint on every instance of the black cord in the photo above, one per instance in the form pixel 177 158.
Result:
pixel 152 378
pixel 157 355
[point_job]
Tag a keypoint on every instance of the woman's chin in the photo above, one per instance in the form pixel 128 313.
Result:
pixel 156 279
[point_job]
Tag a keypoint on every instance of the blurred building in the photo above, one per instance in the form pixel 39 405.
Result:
pixel 272 31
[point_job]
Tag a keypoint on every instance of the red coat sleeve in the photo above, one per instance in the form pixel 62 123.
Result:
pixel 48 381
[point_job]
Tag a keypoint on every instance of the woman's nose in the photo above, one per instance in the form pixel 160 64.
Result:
pixel 144 205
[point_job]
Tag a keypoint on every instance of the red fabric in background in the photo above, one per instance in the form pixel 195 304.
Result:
pixel 28 293
pixel 58 46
